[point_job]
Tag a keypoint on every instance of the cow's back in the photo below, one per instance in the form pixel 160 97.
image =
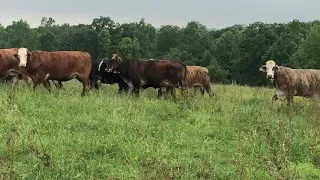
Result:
pixel 303 82
pixel 158 70
pixel 6 60
pixel 60 65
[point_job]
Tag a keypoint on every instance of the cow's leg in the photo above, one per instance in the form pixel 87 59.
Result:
pixel 208 90
pixel 136 92
pixel 14 80
pixel 136 87
pixel 173 93
pixel 39 78
pixel 160 92
pixel 183 87
pixel 290 99
pixel 274 98
pixel 47 85
pixel 58 85
pixel 86 86
pixel 195 88
pixel 123 87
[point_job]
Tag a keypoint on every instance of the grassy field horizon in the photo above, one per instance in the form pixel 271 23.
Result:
pixel 237 134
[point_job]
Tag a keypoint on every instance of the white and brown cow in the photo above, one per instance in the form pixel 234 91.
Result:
pixel 292 82
pixel 198 78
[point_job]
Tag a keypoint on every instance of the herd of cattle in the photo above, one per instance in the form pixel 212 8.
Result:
pixel 41 67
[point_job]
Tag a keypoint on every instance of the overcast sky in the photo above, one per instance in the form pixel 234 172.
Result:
pixel 212 13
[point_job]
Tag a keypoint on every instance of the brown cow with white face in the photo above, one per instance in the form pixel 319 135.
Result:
pixel 41 66
pixel 8 68
pixel 292 82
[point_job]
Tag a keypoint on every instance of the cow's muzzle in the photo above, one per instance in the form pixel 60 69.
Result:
pixel 269 76
pixel 111 71
pixel 22 65
pixel 108 70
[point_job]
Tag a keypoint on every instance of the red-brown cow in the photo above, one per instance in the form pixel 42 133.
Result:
pixel 59 65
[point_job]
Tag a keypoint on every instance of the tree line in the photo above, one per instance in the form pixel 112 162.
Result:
pixel 232 54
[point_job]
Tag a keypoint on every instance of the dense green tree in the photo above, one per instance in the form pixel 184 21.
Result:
pixel 48 41
pixel 287 42
pixel 168 37
pixel 217 73
pixel 308 55
pixel 18 33
pixel 129 48
pixel 255 40
pixel 104 42
pixel 3 38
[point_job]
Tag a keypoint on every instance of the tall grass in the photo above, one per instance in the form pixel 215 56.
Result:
pixel 238 134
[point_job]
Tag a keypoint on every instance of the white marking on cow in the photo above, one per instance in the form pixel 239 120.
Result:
pixel 22 54
pixel 128 82
pixel 142 82
pixel 47 75
pixel 270 72
pixel 100 65
pixel 280 94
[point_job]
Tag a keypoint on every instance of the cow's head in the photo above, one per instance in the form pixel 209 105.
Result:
pixel 22 56
pixel 113 65
pixel 270 68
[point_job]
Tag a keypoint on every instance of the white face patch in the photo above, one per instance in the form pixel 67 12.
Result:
pixel 280 94
pixel 23 56
pixel 270 71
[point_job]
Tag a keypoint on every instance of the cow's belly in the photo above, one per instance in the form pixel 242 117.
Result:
pixel 280 94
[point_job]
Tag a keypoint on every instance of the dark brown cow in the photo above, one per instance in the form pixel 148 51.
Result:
pixel 292 82
pixel 60 65
pixel 198 77
pixel 9 68
pixel 149 73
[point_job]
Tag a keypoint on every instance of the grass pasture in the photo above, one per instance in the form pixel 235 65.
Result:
pixel 238 134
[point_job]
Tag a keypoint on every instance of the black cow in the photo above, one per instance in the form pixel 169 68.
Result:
pixel 149 73
pixel 101 76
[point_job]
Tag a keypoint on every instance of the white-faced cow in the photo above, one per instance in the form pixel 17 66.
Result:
pixel 41 66
pixel 292 82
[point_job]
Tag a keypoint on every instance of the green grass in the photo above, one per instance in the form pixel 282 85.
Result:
pixel 238 134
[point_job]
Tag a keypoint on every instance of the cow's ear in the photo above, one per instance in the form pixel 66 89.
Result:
pixel 119 60
pixel 28 53
pixel 263 68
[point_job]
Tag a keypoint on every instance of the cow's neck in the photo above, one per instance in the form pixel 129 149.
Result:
pixel 124 68
pixel 279 76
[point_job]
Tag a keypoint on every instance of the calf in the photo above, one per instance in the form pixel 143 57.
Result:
pixel 292 82
pixel 198 77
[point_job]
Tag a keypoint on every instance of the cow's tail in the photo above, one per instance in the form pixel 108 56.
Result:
pixel 93 78
pixel 183 80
